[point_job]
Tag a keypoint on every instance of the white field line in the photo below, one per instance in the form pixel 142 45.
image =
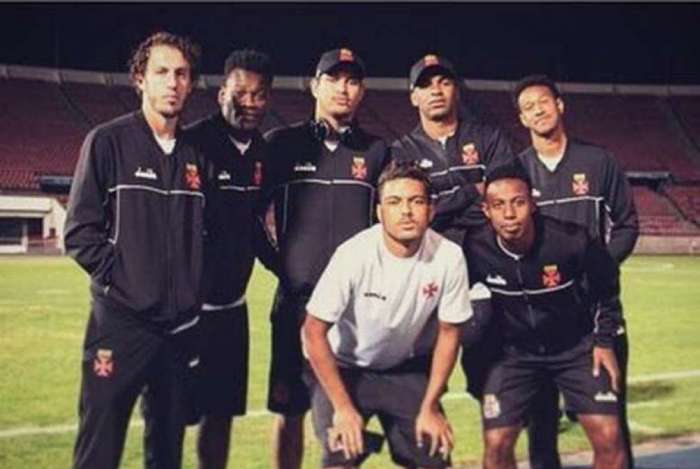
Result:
pixel 454 395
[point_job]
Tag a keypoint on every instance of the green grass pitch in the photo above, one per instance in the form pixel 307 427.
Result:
pixel 43 312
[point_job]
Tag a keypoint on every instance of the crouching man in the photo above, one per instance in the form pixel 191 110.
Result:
pixel 382 331
pixel 545 276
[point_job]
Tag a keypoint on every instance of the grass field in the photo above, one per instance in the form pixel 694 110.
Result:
pixel 43 311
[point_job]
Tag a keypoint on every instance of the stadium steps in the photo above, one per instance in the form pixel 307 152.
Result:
pixel 82 118
pixel 680 132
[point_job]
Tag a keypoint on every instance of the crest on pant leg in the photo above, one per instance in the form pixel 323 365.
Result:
pixel 491 406
pixel 103 365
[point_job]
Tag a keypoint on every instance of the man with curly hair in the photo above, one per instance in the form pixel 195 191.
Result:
pixel 231 142
pixel 135 224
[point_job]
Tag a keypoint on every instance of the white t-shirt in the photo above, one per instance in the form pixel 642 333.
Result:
pixel 383 307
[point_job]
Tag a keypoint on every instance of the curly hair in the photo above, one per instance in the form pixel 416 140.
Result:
pixel 139 58
pixel 251 60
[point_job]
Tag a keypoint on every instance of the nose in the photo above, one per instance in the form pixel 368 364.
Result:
pixel 171 80
pixel 435 88
pixel 246 100
pixel 406 207
pixel 509 211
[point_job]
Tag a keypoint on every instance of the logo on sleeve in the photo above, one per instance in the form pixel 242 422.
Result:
pixel 358 168
pixel 103 365
pixel 430 290
pixel 258 173
pixel 579 184
pixel 470 155
pixel 550 276
pixel 192 180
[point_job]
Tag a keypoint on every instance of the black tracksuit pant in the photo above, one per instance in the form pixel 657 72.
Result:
pixel 124 356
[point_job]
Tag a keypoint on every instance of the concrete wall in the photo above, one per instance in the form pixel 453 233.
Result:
pixel 668 245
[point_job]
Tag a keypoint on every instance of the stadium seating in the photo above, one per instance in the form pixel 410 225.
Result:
pixel 658 216
pixel 687 199
pixel 44 123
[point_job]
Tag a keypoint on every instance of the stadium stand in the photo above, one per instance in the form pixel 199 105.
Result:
pixel 658 216
pixel 687 200
pixel 652 133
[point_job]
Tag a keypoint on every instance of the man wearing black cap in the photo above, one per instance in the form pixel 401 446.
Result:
pixel 456 152
pixel 235 151
pixel 321 181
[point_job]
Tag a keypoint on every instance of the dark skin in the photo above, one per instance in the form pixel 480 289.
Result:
pixel 509 208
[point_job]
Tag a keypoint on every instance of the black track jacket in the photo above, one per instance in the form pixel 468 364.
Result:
pixel 235 235
pixel 542 301
pixel 587 188
pixel 135 220
pixel 455 168
pixel 321 198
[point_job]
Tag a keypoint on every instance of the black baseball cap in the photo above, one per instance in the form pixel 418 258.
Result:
pixel 337 57
pixel 428 63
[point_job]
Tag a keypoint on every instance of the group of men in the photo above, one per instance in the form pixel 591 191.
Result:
pixel 389 258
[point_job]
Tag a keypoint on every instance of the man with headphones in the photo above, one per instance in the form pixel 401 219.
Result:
pixel 320 185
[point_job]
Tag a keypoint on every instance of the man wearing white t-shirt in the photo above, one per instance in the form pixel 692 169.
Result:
pixel 383 329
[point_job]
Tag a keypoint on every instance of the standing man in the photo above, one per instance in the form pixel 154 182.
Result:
pixel 321 180
pixel 457 152
pixel 545 277
pixel 580 183
pixel 135 223
pixel 235 152
pixel 370 332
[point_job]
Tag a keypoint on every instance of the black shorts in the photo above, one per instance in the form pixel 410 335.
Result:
pixel 287 393
pixel 513 383
pixel 223 387
pixel 394 397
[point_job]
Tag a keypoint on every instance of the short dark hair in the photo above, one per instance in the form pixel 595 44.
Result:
pixel 534 80
pixel 514 170
pixel 251 60
pixel 405 169
pixel 139 58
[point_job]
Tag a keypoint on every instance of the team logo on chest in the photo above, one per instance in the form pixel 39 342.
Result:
pixel 470 155
pixel 224 176
pixel 103 365
pixel 430 290
pixel 192 180
pixel 579 184
pixel 551 276
pixel 257 173
pixel 358 168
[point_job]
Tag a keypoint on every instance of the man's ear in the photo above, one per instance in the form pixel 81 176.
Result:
pixel 560 105
pixel 521 116
pixel 431 212
pixel 485 210
pixel 313 87
pixel 379 212
pixel 413 97
pixel 220 96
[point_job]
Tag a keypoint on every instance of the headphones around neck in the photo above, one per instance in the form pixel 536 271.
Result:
pixel 321 130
